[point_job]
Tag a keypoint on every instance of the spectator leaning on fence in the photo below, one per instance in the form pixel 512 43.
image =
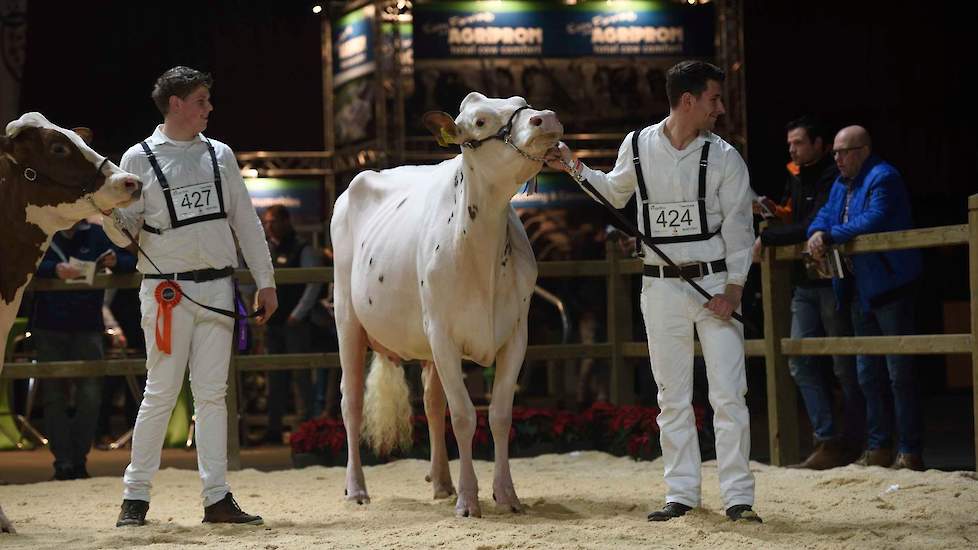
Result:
pixel 289 329
pixel 870 197
pixel 67 326
pixel 814 308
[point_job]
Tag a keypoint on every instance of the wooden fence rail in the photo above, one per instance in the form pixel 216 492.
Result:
pixel 776 345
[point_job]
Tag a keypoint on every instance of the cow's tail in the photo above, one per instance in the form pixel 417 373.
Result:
pixel 387 407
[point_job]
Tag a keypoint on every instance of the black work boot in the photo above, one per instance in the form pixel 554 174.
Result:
pixel 669 511
pixel 743 512
pixel 133 513
pixel 227 510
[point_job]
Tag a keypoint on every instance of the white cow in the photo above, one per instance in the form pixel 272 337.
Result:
pixel 432 263
pixel 49 179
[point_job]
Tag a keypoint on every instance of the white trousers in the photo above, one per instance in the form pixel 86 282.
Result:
pixel 202 339
pixel 671 308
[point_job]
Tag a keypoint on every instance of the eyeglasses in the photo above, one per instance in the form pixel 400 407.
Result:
pixel 845 150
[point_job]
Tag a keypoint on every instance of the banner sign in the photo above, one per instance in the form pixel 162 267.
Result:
pixel 303 197
pixel 512 29
pixel 353 45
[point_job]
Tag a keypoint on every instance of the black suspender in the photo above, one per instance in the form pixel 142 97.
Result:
pixel 169 199
pixel 705 232
pixel 643 194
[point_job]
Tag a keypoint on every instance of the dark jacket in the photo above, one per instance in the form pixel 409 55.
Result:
pixel 287 253
pixel 879 203
pixel 808 192
pixel 75 310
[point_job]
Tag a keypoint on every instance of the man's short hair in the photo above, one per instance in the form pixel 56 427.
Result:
pixel 692 77
pixel 179 81
pixel 812 127
pixel 278 212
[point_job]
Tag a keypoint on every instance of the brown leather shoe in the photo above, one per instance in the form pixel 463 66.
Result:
pixel 908 461
pixel 876 457
pixel 830 453
pixel 227 510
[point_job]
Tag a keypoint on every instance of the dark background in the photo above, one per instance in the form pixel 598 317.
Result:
pixel 902 69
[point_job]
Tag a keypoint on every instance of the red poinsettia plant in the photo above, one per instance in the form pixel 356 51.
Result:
pixel 621 430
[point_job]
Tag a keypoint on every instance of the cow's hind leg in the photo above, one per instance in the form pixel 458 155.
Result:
pixel 353 350
pixel 508 364
pixel 434 408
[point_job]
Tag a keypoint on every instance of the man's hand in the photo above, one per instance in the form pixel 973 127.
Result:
pixel 723 305
pixel 66 271
pixel 755 251
pixel 765 207
pixel 266 298
pixel 109 260
pixel 557 154
pixel 816 245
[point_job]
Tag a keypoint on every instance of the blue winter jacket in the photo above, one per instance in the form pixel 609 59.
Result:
pixel 75 310
pixel 879 203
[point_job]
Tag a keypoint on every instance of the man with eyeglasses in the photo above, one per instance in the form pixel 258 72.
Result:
pixel 814 308
pixel 870 197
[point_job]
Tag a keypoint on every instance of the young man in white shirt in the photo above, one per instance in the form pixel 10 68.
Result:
pixel 193 199
pixel 696 206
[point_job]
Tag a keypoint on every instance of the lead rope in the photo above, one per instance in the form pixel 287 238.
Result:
pixel 634 231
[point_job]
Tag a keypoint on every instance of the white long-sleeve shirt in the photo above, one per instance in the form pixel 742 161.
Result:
pixel 207 244
pixel 672 176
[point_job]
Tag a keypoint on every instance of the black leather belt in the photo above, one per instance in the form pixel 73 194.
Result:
pixel 688 271
pixel 197 276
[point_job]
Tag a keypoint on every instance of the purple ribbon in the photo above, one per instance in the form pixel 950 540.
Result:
pixel 242 322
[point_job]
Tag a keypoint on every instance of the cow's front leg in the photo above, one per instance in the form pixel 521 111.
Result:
pixel 448 363
pixel 508 364
pixel 434 408
pixel 353 350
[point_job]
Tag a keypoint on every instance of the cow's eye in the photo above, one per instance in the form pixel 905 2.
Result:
pixel 60 150
pixel 480 123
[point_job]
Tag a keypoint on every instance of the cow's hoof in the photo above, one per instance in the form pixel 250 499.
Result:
pixel 442 488
pixel 509 504
pixel 358 496
pixel 468 507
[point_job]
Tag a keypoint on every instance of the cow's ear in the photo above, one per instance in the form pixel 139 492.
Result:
pixel 84 133
pixel 442 126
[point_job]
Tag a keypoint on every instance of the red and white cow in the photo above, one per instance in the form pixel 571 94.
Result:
pixel 432 263
pixel 49 179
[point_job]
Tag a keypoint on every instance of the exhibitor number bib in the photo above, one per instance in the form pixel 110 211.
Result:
pixel 198 202
pixel 674 219
pixel 194 201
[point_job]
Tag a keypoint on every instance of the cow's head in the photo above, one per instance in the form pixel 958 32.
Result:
pixel 490 122
pixel 59 178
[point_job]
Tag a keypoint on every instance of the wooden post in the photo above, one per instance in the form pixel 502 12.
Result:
pixel 973 274
pixel 781 400
pixel 622 381
pixel 234 443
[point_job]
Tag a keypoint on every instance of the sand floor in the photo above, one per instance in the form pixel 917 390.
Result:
pixel 578 500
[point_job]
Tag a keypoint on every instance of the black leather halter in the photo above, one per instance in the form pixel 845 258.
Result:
pixel 503 135
pixel 89 187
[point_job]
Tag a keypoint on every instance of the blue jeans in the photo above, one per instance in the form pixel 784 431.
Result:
pixel 70 436
pixel 893 319
pixel 814 313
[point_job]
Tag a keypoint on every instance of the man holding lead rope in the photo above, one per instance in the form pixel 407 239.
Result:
pixel 695 204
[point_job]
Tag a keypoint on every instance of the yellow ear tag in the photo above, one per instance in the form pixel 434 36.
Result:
pixel 445 139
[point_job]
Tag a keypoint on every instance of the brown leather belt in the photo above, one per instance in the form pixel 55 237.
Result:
pixel 686 271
